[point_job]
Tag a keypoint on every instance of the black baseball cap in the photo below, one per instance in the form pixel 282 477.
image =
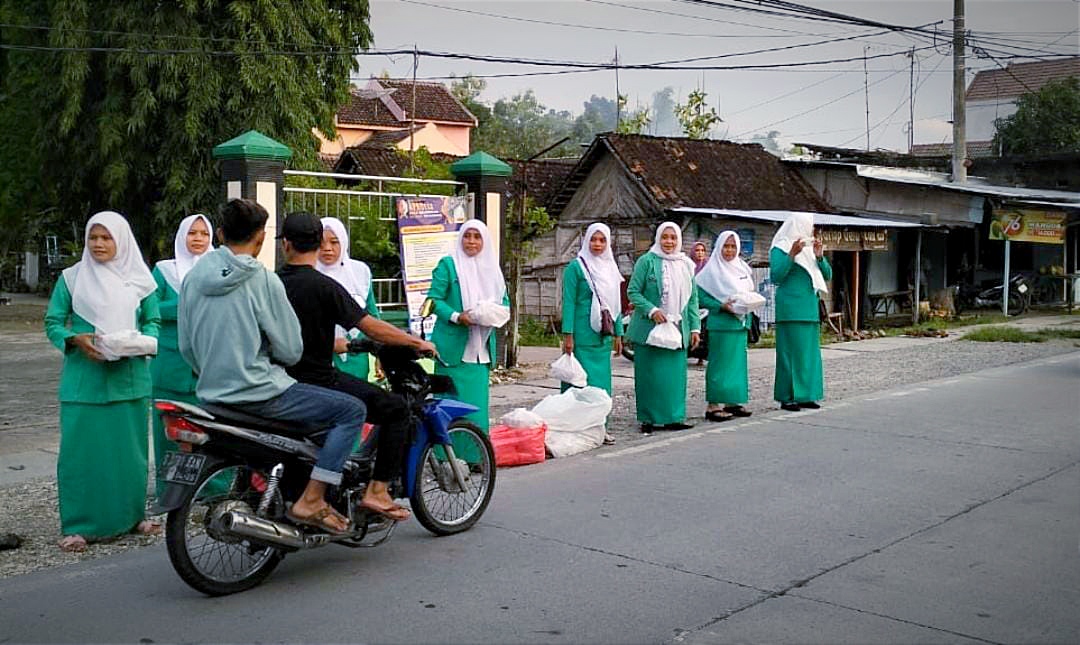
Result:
pixel 301 228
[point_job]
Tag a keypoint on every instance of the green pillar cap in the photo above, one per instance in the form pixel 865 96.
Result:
pixel 252 145
pixel 480 163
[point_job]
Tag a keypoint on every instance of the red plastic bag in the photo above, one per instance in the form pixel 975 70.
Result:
pixel 518 446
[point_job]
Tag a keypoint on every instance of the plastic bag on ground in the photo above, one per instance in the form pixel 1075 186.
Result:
pixel 568 369
pixel 575 420
pixel 665 335
pixel 124 344
pixel 521 418
pixel 518 446
pixel 746 302
pixel 489 314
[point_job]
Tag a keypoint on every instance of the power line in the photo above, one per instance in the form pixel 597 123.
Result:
pixel 784 96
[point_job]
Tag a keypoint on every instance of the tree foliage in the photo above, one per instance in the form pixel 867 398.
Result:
pixel 634 122
pixel 122 108
pixel 1045 122
pixel 697 120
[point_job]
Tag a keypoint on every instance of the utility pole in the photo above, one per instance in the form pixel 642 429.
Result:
pixel 617 110
pixel 866 91
pixel 911 103
pixel 959 128
pixel 412 111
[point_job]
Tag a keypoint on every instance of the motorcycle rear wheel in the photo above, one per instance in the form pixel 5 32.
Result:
pixel 205 556
pixel 438 503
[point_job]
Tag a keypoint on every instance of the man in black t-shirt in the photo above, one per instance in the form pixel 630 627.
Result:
pixel 321 304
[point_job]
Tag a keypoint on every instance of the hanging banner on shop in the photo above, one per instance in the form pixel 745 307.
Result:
pixel 427 231
pixel 859 240
pixel 1026 225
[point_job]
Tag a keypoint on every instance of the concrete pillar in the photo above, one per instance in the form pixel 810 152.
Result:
pixel 31 271
pixel 252 167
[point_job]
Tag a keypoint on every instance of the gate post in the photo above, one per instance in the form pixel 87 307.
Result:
pixel 252 167
pixel 488 180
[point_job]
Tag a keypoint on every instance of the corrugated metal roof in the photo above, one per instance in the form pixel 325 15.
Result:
pixel 820 219
pixel 974 185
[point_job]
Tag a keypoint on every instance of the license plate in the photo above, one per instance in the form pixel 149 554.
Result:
pixel 182 467
pixel 1022 288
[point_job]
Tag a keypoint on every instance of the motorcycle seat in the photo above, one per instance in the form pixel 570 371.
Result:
pixel 231 414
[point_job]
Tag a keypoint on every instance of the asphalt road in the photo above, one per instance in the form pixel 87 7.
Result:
pixel 940 512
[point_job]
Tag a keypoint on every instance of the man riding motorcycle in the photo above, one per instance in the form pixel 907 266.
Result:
pixel 236 330
pixel 321 304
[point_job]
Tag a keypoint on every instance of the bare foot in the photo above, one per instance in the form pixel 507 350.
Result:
pixel 322 516
pixel 72 544
pixel 147 527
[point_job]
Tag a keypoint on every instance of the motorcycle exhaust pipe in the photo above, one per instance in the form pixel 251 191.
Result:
pixel 267 531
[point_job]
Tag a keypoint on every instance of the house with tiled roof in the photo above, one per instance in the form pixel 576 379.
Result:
pixel 402 114
pixel 992 95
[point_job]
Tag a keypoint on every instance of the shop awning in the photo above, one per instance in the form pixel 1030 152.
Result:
pixel 820 219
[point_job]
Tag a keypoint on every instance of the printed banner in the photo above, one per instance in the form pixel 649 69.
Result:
pixel 427 231
pixel 857 240
pixel 1025 225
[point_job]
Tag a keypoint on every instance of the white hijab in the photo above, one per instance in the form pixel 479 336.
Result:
pixel 721 278
pixel 602 274
pixel 352 274
pixel 106 294
pixel 801 226
pixel 678 275
pixel 480 278
pixel 175 269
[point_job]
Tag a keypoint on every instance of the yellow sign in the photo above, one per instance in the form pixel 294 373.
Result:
pixel 1024 225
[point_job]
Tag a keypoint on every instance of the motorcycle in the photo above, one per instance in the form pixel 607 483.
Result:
pixel 628 345
pixel 1019 295
pixel 227 530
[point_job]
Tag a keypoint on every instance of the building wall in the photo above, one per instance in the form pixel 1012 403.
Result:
pixel 438 137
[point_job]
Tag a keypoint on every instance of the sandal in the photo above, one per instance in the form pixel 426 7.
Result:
pixel 717 416
pixel 737 410
pixel 395 512
pixel 319 518
pixel 72 544
pixel 147 527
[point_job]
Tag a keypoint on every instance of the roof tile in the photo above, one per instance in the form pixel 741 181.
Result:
pixel 1018 79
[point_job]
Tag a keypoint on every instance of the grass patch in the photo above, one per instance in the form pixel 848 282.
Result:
pixel 940 323
pixel 1004 335
pixel 1060 333
pixel 534 332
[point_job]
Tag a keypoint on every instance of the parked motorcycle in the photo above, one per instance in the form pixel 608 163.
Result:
pixel 628 345
pixel 1019 295
pixel 227 530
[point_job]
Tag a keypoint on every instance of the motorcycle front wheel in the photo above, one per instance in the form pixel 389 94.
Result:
pixel 203 553
pixel 439 502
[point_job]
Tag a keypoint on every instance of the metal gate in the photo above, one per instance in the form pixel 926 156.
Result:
pixel 373 197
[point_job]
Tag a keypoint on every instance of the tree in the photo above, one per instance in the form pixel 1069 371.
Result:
pixel 123 111
pixel 664 123
pixel 1045 122
pixel 599 116
pixel 696 120
pixel 467 89
pixel 634 122
pixel 520 127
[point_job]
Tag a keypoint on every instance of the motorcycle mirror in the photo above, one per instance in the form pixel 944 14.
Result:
pixel 427 308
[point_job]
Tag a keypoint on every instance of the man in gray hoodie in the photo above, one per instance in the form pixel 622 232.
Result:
pixel 237 330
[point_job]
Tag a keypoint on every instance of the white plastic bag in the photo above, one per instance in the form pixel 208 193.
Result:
pixel 746 302
pixel 568 369
pixel 665 335
pixel 575 420
pixel 123 344
pixel 521 418
pixel 489 314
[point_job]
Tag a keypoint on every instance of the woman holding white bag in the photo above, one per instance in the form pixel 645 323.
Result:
pixel 469 293
pixel 665 323
pixel 725 287
pixel 592 309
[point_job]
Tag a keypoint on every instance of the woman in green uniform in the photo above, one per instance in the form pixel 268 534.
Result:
pixel 592 284
pixel 355 276
pixel 662 290
pixel 173 377
pixel 462 280
pixel 800 271
pixel 727 383
pixel 101 469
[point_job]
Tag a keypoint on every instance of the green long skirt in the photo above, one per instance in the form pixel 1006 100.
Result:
pixel 101 470
pixel 726 377
pixel 358 365
pixel 799 375
pixel 660 384
pixel 471 381
pixel 597 363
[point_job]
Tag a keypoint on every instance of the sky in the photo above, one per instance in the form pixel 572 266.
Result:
pixel 823 104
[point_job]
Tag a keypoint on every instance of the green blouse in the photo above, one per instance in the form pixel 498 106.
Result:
pixel 644 293
pixel 719 318
pixel 168 368
pixel 86 381
pixel 796 300
pixel 449 337
pixel 577 308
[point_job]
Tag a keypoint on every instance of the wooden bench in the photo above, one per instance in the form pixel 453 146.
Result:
pixel 880 303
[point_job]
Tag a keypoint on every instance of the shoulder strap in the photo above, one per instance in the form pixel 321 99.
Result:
pixel 593 285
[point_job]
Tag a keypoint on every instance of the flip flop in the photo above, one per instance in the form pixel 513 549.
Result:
pixel 716 416
pixel 318 519
pixel 396 512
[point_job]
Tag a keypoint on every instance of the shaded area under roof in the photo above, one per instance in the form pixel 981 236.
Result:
pixel 820 219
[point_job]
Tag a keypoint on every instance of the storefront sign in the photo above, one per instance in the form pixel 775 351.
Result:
pixel 1025 225
pixel 856 240
pixel 427 231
